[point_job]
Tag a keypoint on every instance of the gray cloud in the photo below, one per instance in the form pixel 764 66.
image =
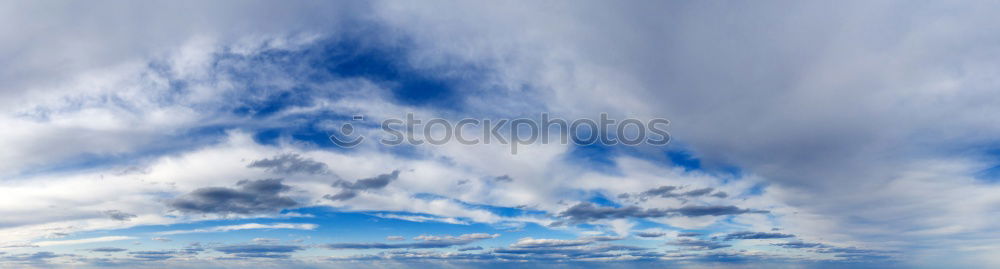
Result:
pixel 798 245
pixel 815 54
pixel 288 164
pixel 698 192
pixel 856 254
pixel 649 234
pixel 816 117
pixel 503 178
pixel 660 191
pixel 159 255
pixel 342 195
pixel 259 251
pixel 193 248
pixel 670 192
pixel 516 257
pixel 470 248
pixel 153 255
pixel 34 258
pixel 119 215
pixel 376 182
pixel 602 238
pixel 557 249
pixel 756 235
pixel 424 242
pixel 586 211
pixel 696 211
pixel 569 252
pixel 696 244
pixel 107 249
pixel 350 189
pixel 251 196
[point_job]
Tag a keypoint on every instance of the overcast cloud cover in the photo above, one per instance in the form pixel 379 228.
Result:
pixel 194 134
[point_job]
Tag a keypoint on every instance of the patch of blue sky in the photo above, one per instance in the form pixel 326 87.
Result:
pixel 308 130
pixel 332 227
pixel 684 159
pixel 757 189
pixel 384 61
pixel 498 210
pixel 991 174
pixel 990 155
pixel 594 157
pixel 601 200
pixel 601 158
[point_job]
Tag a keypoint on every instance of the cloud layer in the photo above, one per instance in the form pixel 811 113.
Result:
pixel 804 134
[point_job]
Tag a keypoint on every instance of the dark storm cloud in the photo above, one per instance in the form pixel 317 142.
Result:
pixel 119 215
pixel 250 196
pixel 259 251
pixel 350 189
pixel 696 244
pixel 586 211
pixel 424 242
pixel 756 235
pixel 288 164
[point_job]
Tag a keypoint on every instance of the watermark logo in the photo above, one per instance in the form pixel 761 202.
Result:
pixel 514 132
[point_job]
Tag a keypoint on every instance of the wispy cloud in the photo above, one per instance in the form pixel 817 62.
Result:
pixel 247 226
pixel 82 241
pixel 419 218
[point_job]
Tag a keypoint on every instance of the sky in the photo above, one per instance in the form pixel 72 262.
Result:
pixel 196 134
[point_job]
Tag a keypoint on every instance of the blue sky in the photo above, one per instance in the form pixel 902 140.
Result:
pixel 196 135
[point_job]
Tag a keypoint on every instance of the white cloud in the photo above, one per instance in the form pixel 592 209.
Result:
pixel 83 241
pixel 858 118
pixel 247 226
